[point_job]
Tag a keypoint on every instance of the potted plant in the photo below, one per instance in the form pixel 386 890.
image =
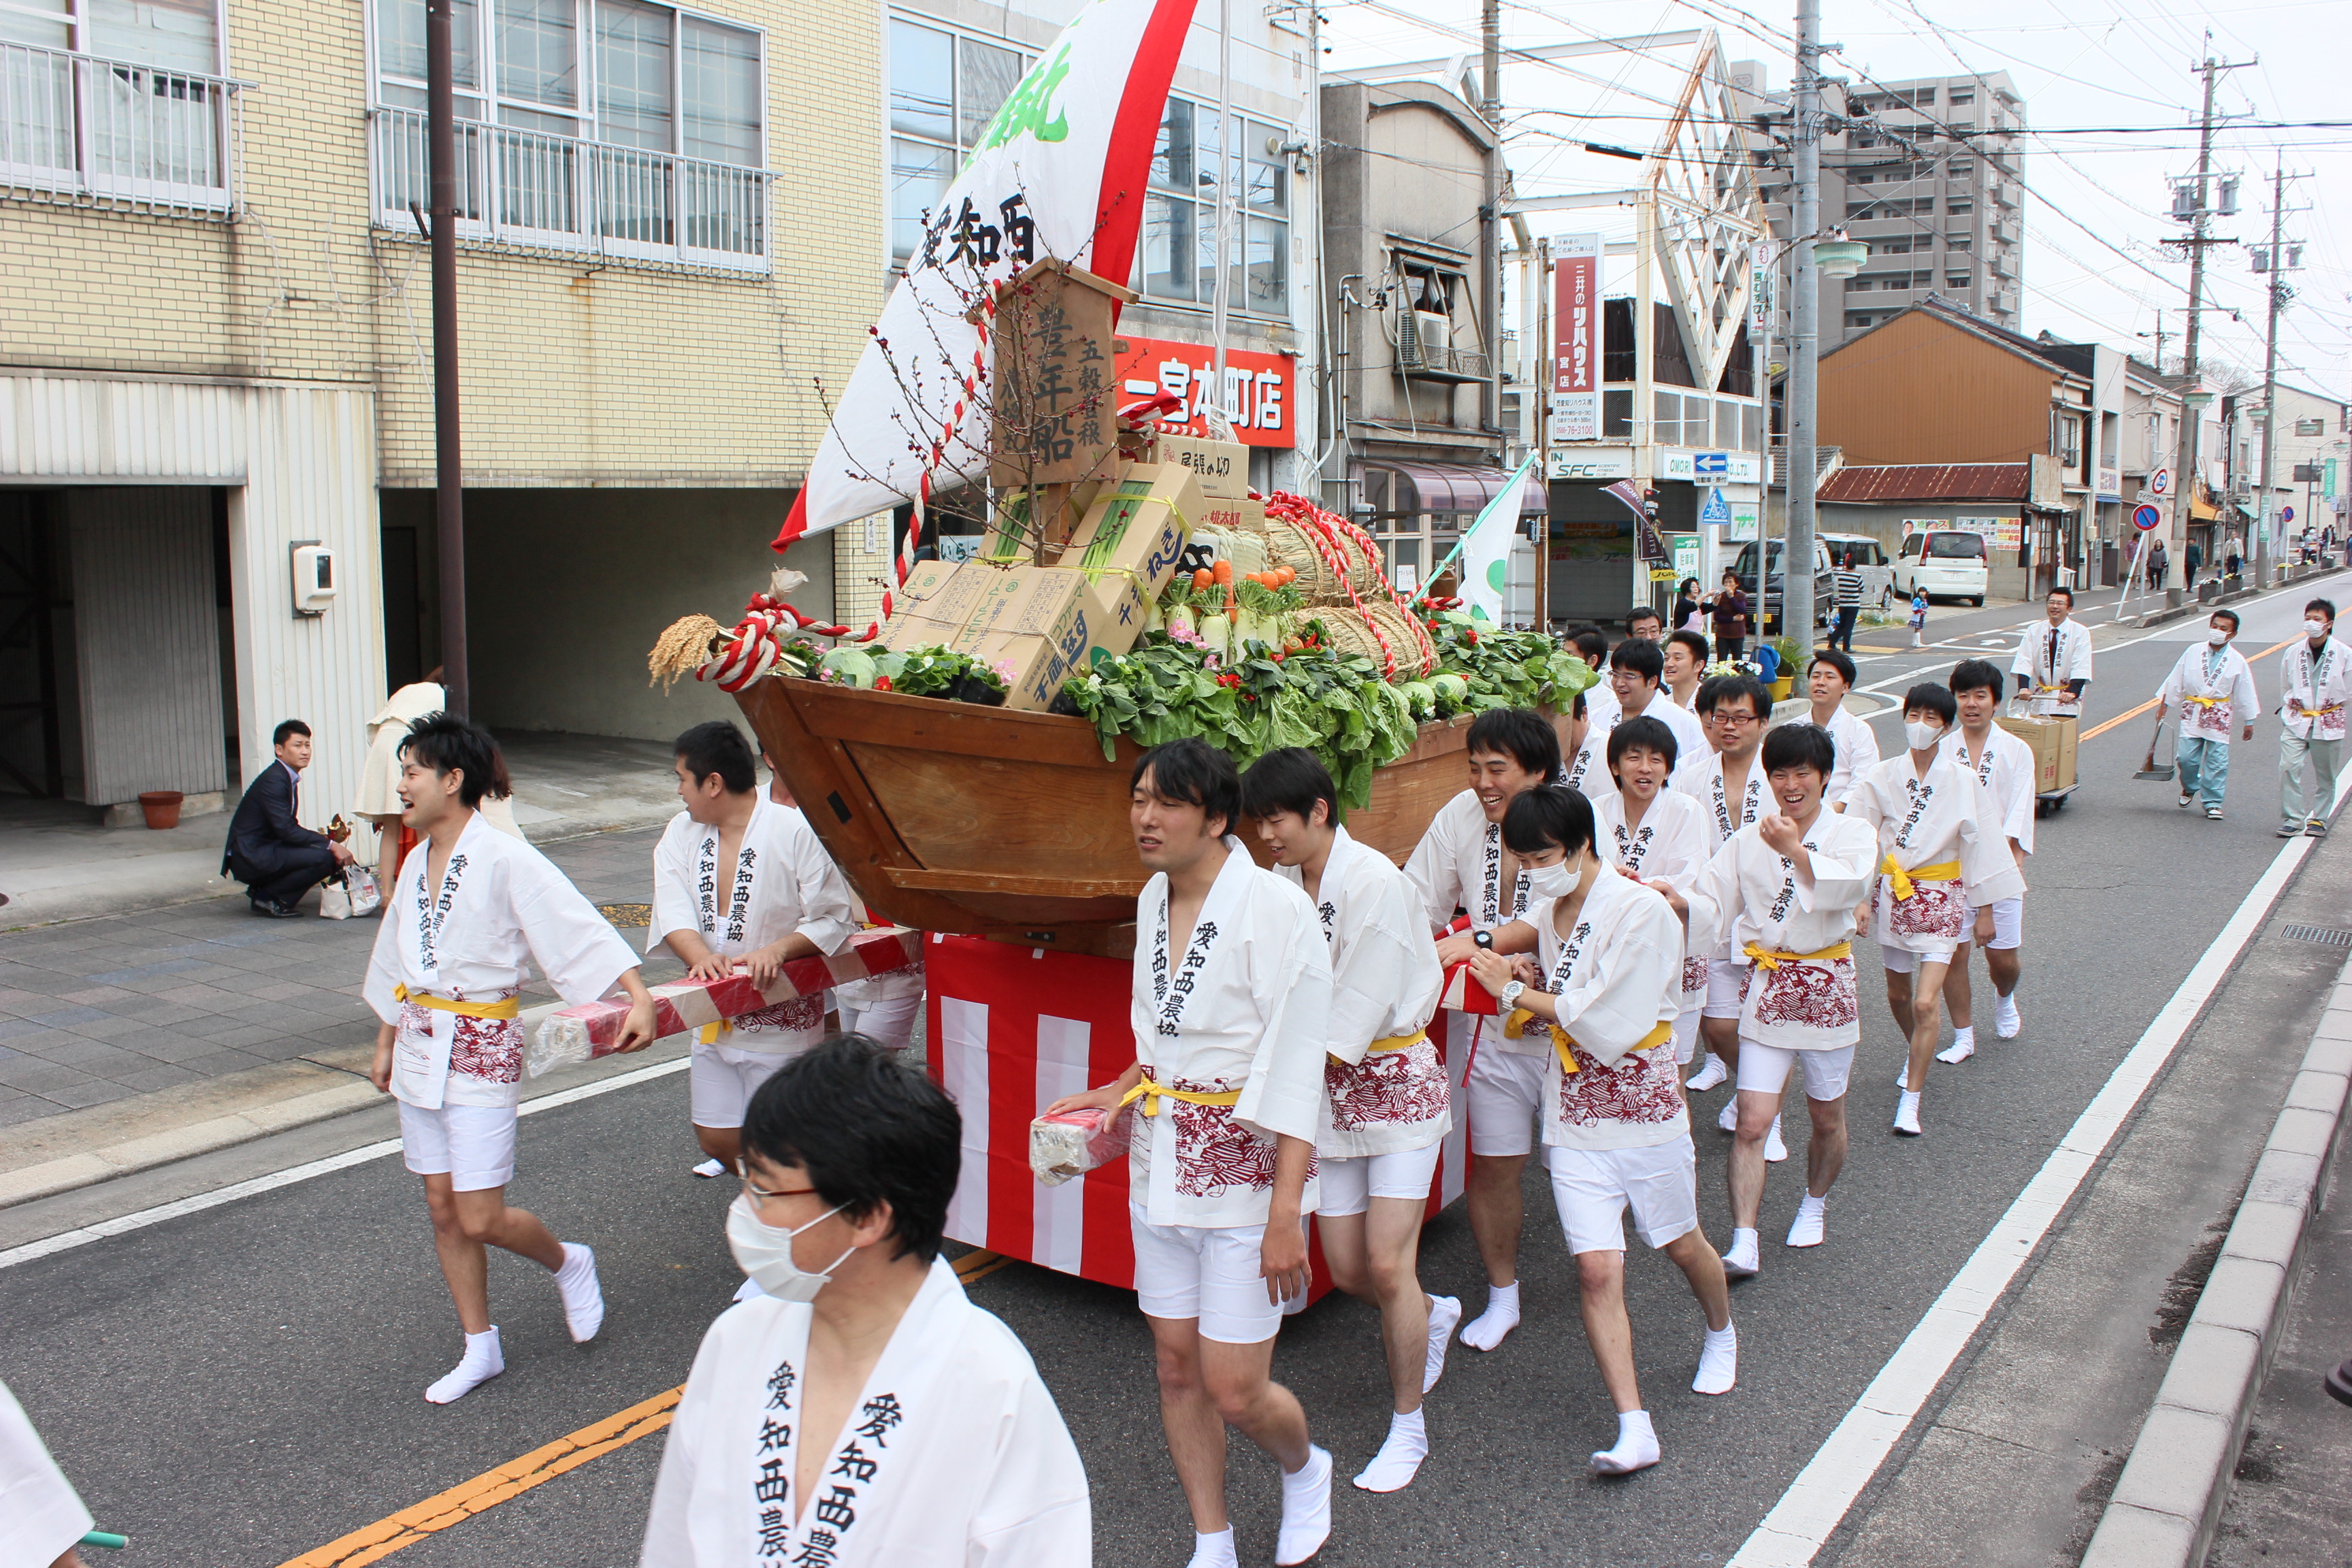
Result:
pixel 1786 650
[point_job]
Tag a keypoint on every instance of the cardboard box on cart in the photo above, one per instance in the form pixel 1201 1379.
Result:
pixel 1222 467
pixel 933 605
pixel 1130 541
pixel 1046 629
pixel 2053 743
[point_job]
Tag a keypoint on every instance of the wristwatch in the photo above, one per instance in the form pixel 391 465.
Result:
pixel 1509 996
pixel 1484 939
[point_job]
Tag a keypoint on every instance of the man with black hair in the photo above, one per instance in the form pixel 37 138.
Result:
pixel 1686 664
pixel 1635 671
pixel 2003 764
pixel 1657 837
pixel 2054 661
pixel 2214 688
pixel 278 858
pixel 1232 1016
pixel 1942 853
pixel 1385 1105
pixel 1642 624
pixel 471 907
pixel 741 884
pixel 861 1412
pixel 1460 863
pixel 2315 685
pixel 1729 785
pixel 1782 892
pixel 1588 745
pixel 1592 646
pixel 1615 1130
pixel 1827 680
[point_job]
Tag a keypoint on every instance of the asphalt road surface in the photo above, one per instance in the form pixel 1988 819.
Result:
pixel 242 1384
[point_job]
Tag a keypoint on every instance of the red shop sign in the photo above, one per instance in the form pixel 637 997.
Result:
pixel 1259 388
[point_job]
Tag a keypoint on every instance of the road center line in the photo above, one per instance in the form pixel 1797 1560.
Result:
pixel 1817 1502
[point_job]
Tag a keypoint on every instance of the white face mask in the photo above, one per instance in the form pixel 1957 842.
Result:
pixel 765 1252
pixel 2216 636
pixel 1921 732
pixel 2314 630
pixel 1552 881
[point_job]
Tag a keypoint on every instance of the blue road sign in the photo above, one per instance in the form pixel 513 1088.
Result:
pixel 2145 517
pixel 1710 462
pixel 1716 512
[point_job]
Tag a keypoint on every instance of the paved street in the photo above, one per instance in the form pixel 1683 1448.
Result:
pixel 240 1384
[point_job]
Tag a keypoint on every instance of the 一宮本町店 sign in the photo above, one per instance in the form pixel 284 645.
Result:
pixel 1257 387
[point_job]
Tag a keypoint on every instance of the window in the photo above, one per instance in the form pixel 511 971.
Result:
pixel 1856 321
pixel 1860 285
pixel 1957 207
pixel 1955 547
pixel 1191 162
pixel 116 98
pixel 944 89
pixel 1960 95
pixel 611 125
pixel 1891 247
pixel 1958 280
pixel 1959 241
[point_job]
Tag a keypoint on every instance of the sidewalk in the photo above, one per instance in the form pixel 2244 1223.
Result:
pixel 56 863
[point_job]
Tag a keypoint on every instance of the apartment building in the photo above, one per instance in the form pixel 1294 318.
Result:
pixel 1925 173
pixel 216 440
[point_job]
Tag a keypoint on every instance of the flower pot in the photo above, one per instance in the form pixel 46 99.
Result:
pixel 161 807
pixel 1780 688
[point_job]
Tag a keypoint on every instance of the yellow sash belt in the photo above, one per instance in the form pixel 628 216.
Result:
pixel 509 1008
pixel 1768 958
pixel 1516 1026
pixel 1151 1093
pixel 1942 871
pixel 2206 702
pixel 710 1033
pixel 1393 1043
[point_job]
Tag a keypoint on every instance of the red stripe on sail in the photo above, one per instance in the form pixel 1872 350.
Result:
pixel 1118 209
pixel 795 520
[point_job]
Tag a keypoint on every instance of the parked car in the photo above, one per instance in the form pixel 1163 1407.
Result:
pixel 1950 564
pixel 1767 606
pixel 1870 560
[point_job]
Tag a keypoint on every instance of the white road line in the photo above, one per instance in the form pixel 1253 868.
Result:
pixel 1818 1499
pixel 83 1236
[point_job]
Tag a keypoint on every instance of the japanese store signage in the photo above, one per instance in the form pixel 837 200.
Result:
pixel 1258 387
pixel 1576 338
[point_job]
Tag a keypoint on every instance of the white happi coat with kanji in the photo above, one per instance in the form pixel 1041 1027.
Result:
pixel 1943 818
pixel 1857 753
pixel 1754 898
pixel 2212 691
pixel 2004 766
pixel 1458 864
pixel 2314 690
pixel 1670 845
pixel 2049 668
pixel 1615 978
pixel 1722 812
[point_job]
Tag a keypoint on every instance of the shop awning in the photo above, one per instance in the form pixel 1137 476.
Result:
pixel 1458 487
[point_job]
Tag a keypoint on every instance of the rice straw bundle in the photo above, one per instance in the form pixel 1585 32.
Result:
pixel 684 647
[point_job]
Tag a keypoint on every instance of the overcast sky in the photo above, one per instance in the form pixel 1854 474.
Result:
pixel 2097 204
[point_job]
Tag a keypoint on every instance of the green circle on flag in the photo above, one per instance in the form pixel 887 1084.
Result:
pixel 1495 575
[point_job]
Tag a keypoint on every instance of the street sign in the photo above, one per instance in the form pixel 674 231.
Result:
pixel 2286 514
pixel 2160 481
pixel 2145 517
pixel 1710 462
pixel 1716 512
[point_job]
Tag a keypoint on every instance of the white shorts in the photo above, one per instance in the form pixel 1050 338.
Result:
pixel 1902 961
pixel 1504 1092
pixel 1723 978
pixel 473 1145
pixel 1193 1271
pixel 890 1021
pixel 1766 1069
pixel 1686 1036
pixel 2008 922
pixel 1348 1184
pixel 1593 1188
pixel 722 1080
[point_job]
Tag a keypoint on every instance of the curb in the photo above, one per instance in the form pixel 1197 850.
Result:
pixel 2168 1502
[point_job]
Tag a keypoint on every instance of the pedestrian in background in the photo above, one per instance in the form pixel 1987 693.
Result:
pixel 1918 617
pixel 2190 560
pixel 2156 562
pixel 1848 603
pixel 1688 614
pixel 278 858
pixel 2316 678
pixel 1730 611
pixel 2233 554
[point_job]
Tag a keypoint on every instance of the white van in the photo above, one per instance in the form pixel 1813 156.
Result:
pixel 1949 562
pixel 1869 559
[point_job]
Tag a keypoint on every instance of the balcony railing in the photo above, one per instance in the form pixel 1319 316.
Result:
pixel 526 188
pixel 115 132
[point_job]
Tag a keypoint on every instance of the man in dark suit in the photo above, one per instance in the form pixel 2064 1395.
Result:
pixel 275 857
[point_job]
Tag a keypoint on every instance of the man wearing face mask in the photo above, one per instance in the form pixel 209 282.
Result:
pixel 1657 837
pixel 1942 854
pixel 862 1413
pixel 2214 691
pixel 2318 678
pixel 1616 1133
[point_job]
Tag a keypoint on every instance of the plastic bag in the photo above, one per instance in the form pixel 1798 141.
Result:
pixel 334 902
pixel 1076 1142
pixel 361 883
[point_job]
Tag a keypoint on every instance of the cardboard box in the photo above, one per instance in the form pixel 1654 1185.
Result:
pixel 1044 633
pixel 1221 466
pixel 2069 738
pixel 935 602
pixel 2054 742
pixel 1243 516
pixel 1130 543
pixel 1011 541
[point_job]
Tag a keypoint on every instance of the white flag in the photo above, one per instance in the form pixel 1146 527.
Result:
pixel 1485 550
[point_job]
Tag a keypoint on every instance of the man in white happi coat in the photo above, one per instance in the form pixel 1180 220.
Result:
pixel 2212 690
pixel 1657 837
pixel 1941 854
pixel 1616 1132
pixel 1592 646
pixel 1588 745
pixel 1385 1105
pixel 1827 680
pixel 1729 783
pixel 1637 673
pixel 471 905
pixel 1783 891
pixel 1685 654
pixel 2314 685
pixel 1461 864
pixel 2054 660
pixel 861 1412
pixel 1231 1015
pixel 2004 766
pixel 741 885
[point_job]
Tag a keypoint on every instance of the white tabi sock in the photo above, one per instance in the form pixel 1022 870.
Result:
pixel 1740 1258
pixel 1729 1120
pixel 1963 1047
pixel 1711 1072
pixel 1719 1360
pixel 1215 1551
pixel 1906 1114
pixel 1445 1311
pixel 1809 1225
pixel 1306 1509
pixel 1774 1150
pixel 1494 1325
pixel 2005 1021
pixel 584 1298
pixel 1393 1467
pixel 1636 1449
pixel 481 1363
pixel 710 1168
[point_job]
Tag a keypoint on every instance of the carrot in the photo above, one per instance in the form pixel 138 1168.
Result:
pixel 1233 599
pixel 1202 579
pixel 1222 573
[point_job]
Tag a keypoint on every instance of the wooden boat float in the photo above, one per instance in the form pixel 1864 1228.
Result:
pixel 951 816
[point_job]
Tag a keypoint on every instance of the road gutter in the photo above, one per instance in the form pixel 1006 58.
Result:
pixel 2168 1502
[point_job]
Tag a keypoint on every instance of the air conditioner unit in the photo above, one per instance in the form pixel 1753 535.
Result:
pixel 1424 339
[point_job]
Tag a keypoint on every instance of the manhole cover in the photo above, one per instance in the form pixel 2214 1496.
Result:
pixel 642 914
pixel 2317 933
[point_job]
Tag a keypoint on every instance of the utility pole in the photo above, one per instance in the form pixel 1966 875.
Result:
pixel 1539 386
pixel 2184 470
pixel 1490 219
pixel 2270 376
pixel 448 473
pixel 1804 341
